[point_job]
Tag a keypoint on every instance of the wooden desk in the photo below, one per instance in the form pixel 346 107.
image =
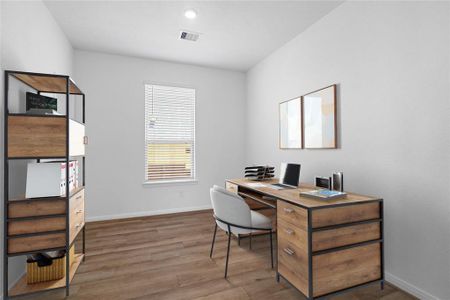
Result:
pixel 324 247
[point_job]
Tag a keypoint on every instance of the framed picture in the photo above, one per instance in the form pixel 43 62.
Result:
pixel 291 124
pixel 319 117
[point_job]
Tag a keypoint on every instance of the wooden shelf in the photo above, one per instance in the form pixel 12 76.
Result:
pixel 23 199
pixel 47 83
pixel 22 287
pixel 30 115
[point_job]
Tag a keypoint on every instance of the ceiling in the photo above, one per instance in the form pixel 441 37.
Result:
pixel 234 34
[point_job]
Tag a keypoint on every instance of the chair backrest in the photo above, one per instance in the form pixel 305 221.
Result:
pixel 231 208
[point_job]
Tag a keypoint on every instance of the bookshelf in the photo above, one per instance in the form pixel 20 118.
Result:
pixel 34 225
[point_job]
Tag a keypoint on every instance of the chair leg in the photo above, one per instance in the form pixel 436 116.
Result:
pixel 228 251
pixel 250 242
pixel 271 248
pixel 214 239
pixel 239 239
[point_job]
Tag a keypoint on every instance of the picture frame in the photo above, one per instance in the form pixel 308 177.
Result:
pixel 319 119
pixel 291 124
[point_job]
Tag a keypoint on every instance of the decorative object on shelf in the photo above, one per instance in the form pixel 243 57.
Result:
pixel 291 124
pixel 319 117
pixel 41 105
pixel 259 173
pixel 323 194
pixel 323 182
pixel 338 181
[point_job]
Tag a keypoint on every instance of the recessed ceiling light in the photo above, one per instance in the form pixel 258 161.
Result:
pixel 190 14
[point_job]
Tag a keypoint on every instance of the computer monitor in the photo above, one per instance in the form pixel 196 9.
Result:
pixel 290 174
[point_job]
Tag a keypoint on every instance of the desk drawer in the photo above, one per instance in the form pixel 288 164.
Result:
pixel 37 242
pixel 346 268
pixel 76 200
pixel 231 187
pixel 293 264
pixel 292 214
pixel 77 214
pixel 292 234
pixel 36 225
pixel 345 214
pixel 22 208
pixel 332 238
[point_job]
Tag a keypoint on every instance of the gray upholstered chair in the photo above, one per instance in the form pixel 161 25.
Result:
pixel 234 216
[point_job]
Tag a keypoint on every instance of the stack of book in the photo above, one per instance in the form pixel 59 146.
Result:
pixel 259 172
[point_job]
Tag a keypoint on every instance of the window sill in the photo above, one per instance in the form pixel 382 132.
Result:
pixel 171 182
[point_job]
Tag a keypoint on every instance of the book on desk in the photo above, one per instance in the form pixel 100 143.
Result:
pixel 324 194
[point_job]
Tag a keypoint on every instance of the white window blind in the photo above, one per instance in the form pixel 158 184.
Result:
pixel 169 133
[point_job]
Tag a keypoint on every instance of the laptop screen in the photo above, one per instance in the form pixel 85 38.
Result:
pixel 290 174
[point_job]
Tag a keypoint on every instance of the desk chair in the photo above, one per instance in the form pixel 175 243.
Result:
pixel 234 216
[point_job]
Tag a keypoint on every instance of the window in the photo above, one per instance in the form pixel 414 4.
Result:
pixel 169 133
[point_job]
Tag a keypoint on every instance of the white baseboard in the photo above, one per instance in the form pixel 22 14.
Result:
pixel 147 213
pixel 408 287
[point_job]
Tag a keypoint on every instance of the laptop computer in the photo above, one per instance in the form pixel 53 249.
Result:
pixel 289 176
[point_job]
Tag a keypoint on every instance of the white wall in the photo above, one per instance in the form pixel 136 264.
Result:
pixel 31 41
pixel 114 86
pixel 391 62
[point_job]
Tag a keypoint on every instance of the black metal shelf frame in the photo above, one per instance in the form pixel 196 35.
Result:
pixel 65 158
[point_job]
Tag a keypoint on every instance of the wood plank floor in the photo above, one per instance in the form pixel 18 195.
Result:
pixel 167 257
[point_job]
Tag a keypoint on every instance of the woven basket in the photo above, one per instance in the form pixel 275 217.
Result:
pixel 55 271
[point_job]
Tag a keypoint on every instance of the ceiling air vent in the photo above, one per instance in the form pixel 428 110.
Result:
pixel 189 36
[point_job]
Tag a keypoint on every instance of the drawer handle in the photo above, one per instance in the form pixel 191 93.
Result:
pixel 79 197
pixel 289 231
pixel 289 251
pixel 79 211
pixel 78 225
pixel 288 210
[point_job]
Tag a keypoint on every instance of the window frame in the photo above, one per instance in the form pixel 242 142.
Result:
pixel 178 181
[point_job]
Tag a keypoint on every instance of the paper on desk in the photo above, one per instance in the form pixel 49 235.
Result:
pixel 275 187
pixel 256 184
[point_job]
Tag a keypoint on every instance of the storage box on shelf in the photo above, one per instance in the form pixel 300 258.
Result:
pixel 48 221
pixel 56 270
pixel 49 179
